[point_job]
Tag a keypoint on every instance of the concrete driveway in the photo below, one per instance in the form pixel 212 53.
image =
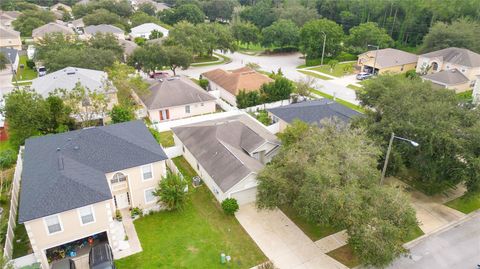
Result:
pixel 282 241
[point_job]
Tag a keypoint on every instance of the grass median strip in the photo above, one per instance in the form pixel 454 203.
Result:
pixel 353 87
pixel 313 74
pixel 466 203
pixel 340 101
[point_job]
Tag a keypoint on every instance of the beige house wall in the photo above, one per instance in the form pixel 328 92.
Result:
pixel 136 186
pixel 224 94
pixel 15 43
pixel 179 112
pixel 367 61
pixel 73 229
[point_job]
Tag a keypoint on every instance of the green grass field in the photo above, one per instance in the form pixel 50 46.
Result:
pixel 339 70
pixel 166 139
pixel 26 73
pixel 466 203
pixel 193 237
pixel 343 102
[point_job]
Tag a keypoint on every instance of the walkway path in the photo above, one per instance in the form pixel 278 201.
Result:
pixel 133 240
pixel 333 241
pixel 282 241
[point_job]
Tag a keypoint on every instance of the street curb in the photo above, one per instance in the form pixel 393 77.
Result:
pixel 420 239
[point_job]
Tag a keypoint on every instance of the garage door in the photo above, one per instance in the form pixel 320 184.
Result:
pixel 245 196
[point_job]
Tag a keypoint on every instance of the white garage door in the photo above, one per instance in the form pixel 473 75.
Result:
pixel 245 196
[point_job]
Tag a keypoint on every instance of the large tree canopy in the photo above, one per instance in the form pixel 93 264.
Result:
pixel 312 37
pixel 462 33
pixel 282 33
pixel 188 12
pixel 221 10
pixel 31 19
pixel 433 118
pixel 329 175
pixel 368 33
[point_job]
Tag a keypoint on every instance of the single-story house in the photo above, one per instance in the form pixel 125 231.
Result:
pixel 453 68
pixel 144 30
pixel 73 182
pixel 386 60
pixel 230 83
pixel 10 39
pixel 67 78
pixel 227 154
pixel 91 30
pixel 175 98
pixel 7 17
pixel 311 112
pixel 51 27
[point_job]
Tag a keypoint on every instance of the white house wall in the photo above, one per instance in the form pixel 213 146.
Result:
pixel 178 112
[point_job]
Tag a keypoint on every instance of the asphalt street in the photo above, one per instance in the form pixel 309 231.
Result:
pixel 457 246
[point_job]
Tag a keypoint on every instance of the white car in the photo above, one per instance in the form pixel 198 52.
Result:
pixel 363 76
pixel 42 71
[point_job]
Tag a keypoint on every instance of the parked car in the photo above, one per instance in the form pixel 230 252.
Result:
pixel 363 76
pixel 64 264
pixel 42 71
pixel 158 75
pixel 101 257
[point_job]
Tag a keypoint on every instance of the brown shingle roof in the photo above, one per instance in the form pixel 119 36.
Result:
pixel 233 81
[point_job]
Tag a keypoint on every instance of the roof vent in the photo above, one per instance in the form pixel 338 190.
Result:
pixel 76 148
pixel 58 149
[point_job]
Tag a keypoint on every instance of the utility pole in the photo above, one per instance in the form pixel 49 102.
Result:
pixel 376 55
pixel 323 49
pixel 385 164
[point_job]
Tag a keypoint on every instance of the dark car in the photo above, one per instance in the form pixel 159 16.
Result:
pixel 64 264
pixel 158 75
pixel 101 257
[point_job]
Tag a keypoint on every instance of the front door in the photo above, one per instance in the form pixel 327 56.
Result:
pixel 122 200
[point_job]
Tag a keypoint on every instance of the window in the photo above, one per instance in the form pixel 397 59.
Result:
pixel 86 215
pixel 147 172
pixel 53 224
pixel 187 109
pixel 149 196
pixel 118 177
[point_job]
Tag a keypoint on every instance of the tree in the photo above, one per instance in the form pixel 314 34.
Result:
pixel 245 32
pixel 155 34
pixel 178 56
pixel 171 191
pixel 282 33
pixel 31 19
pixel 247 99
pixel 150 57
pixel 106 42
pixel 280 89
pixel 311 38
pixel 368 33
pixel 59 119
pixel 220 10
pixel 87 105
pixel 90 58
pixel 216 37
pixel 122 8
pixel 103 16
pixel 121 113
pixel 462 33
pixel 139 18
pixel 298 14
pixel 188 12
pixel 332 64
pixel 303 87
pixel 329 175
pixel 147 8
pixel 261 14
pixel 433 118
pixel 125 80
pixel 3 61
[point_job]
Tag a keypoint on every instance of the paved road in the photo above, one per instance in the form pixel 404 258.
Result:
pixel 288 64
pixel 455 247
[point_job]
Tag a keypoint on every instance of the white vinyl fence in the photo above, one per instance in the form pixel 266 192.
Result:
pixel 166 126
pixel 267 106
pixel 12 218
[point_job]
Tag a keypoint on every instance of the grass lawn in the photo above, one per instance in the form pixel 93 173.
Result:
pixel 5 203
pixel 414 234
pixel 353 87
pixel 193 237
pixel 27 73
pixel 343 102
pixel 21 243
pixel 315 75
pixel 166 139
pixel 338 71
pixel 314 231
pixel 204 59
pixel 250 48
pixel 345 256
pixel 466 203
pixel 225 59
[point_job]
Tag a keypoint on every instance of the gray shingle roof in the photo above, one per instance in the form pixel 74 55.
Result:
pixel 314 111
pixel 220 147
pixel 52 27
pixel 68 77
pixel 174 91
pixel 8 33
pixel 447 77
pixel 391 57
pixel 66 171
pixel 454 55
pixel 102 28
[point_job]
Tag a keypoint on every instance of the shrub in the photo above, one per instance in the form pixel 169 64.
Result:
pixel 411 74
pixel 136 211
pixel 118 215
pixel 7 158
pixel 31 64
pixel 155 133
pixel 248 99
pixel 345 56
pixel 230 206
pixel 140 40
pixel 171 191
pixel 203 83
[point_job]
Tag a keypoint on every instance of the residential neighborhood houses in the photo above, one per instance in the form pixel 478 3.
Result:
pixel 233 134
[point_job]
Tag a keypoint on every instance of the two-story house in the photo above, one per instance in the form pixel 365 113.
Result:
pixel 453 68
pixel 73 183
pixel 228 153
